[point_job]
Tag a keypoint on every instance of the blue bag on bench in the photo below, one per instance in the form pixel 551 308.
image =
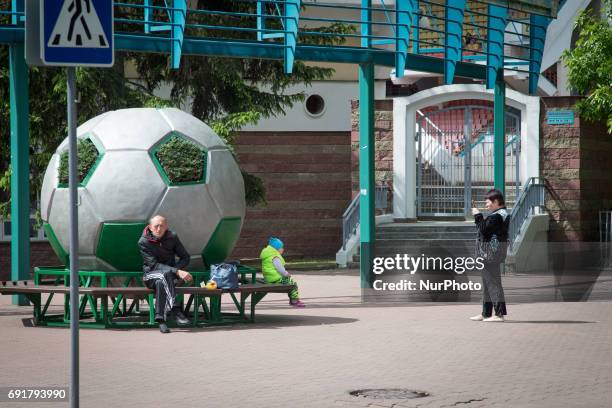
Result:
pixel 225 274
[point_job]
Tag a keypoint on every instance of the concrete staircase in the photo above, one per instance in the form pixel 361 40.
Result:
pixel 432 238
pixel 429 240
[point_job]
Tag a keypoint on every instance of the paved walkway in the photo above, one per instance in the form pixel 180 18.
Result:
pixel 546 355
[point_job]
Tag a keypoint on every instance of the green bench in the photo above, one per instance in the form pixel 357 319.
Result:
pixel 108 305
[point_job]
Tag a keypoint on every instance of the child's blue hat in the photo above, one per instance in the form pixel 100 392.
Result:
pixel 275 243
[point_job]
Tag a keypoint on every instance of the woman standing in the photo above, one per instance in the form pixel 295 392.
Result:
pixel 491 246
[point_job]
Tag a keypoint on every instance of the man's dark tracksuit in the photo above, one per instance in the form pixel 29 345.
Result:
pixel 160 267
pixel 493 293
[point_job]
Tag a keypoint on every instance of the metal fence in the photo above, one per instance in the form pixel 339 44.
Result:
pixel 455 159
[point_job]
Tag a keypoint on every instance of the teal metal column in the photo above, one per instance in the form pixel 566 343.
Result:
pixel 499 129
pixel 453 37
pixel 537 37
pixel 179 16
pixel 366 172
pixel 367 226
pixel 20 172
pixel 292 14
pixel 497 18
pixel 404 15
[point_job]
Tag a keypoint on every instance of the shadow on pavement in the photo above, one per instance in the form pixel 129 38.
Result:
pixel 272 322
pixel 16 312
pixel 263 322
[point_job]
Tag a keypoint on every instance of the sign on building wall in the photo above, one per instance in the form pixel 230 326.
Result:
pixel 560 117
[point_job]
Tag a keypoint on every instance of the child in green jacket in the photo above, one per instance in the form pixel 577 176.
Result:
pixel 273 268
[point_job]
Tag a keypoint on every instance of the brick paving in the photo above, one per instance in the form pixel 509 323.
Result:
pixel 546 355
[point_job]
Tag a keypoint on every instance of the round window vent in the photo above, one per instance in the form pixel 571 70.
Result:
pixel 315 105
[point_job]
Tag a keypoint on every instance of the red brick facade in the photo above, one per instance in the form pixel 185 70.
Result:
pixel 575 162
pixel 41 254
pixel 308 187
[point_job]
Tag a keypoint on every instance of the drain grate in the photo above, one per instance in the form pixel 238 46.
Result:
pixel 389 393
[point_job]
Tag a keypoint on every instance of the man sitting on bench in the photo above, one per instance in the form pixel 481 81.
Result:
pixel 159 248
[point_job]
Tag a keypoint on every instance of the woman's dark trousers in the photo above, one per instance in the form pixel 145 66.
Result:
pixel 493 293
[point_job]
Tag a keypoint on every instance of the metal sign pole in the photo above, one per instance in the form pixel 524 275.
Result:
pixel 74 238
pixel 49 42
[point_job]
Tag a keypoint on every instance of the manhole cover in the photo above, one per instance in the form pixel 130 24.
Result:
pixel 389 393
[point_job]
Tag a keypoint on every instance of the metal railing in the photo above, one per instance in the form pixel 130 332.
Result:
pixel 605 237
pixel 531 197
pixel 350 217
pixel 275 26
pixel 350 220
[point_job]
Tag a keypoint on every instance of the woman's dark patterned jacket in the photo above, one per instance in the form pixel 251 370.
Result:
pixel 495 224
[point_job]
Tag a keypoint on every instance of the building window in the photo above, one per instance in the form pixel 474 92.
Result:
pixel 315 105
pixel 35 234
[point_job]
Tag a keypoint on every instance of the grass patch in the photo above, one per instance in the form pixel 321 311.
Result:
pixel 87 154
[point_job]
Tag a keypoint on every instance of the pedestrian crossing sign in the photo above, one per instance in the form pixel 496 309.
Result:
pixel 77 33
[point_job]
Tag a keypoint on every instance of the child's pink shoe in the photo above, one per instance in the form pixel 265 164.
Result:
pixel 297 303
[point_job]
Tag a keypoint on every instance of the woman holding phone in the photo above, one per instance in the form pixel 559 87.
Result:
pixel 492 246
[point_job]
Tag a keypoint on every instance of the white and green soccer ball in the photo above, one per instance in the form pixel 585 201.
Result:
pixel 128 183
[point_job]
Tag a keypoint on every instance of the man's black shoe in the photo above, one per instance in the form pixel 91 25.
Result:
pixel 163 328
pixel 181 318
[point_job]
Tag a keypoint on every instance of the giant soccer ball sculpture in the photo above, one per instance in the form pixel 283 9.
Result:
pixel 128 183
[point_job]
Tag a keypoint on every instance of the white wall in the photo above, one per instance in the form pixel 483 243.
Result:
pixel 336 116
pixel 562 80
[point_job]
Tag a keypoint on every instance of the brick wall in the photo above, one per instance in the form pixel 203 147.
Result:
pixel 41 254
pixel 383 155
pixel 576 162
pixel 308 187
